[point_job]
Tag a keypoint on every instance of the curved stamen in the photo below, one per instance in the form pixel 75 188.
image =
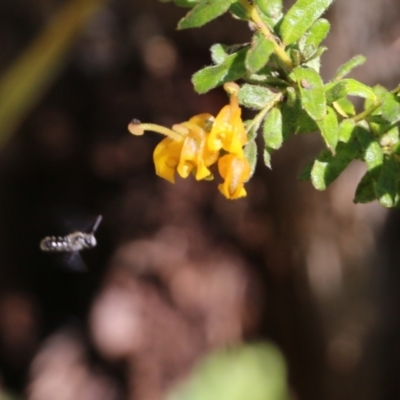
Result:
pixel 138 129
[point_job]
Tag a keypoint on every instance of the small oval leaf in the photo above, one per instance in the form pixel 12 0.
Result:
pixel 270 8
pixel 348 87
pixel 388 181
pixel 204 12
pixel 272 130
pixel 300 17
pixel 346 68
pixel 231 69
pixel 259 53
pixel 372 151
pixel 329 127
pixel 255 97
pixel 312 92
pixel 250 152
pixel 317 33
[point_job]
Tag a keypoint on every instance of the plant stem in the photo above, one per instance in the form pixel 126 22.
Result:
pixel 363 115
pixel 264 29
pixel 261 115
pixel 396 91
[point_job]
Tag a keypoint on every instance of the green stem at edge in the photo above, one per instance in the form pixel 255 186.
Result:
pixel 363 115
pixel 261 115
pixel 264 29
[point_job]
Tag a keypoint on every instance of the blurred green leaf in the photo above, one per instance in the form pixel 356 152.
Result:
pixel 250 152
pixel 344 107
pixel 259 53
pixel 348 87
pixel 239 11
pixel 204 12
pixel 347 67
pixel 329 127
pixel 312 92
pixel 365 192
pixel 317 33
pixel 231 69
pixel 272 130
pixel 186 3
pixel 391 108
pixel 271 8
pixel 255 97
pixel 218 53
pixel 387 184
pixel 372 151
pixel 346 128
pixel 295 119
pixel 300 17
pixel 251 372
pixel 28 78
pixel 267 158
pixel 328 167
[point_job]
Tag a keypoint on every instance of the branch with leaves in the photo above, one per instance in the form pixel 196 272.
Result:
pixel 278 76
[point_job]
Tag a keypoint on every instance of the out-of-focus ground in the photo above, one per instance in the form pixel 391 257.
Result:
pixel 180 271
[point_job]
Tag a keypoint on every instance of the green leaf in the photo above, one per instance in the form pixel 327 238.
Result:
pixel 329 127
pixel 317 33
pixel 305 175
pixel 295 119
pixel 346 128
pixel 380 93
pixel 272 130
pixel 185 3
pixel 270 8
pixel 328 167
pixel 219 53
pixel 387 184
pixel 239 11
pixel 267 158
pixel 250 152
pixel 344 107
pixel 365 192
pixel 259 53
pixel 231 69
pixel 348 87
pixel 255 97
pixel 251 372
pixel 390 138
pixel 346 68
pixel 391 108
pixel 204 12
pixel 300 18
pixel 312 92
pixel 373 154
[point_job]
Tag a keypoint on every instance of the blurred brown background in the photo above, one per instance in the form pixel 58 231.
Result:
pixel 179 270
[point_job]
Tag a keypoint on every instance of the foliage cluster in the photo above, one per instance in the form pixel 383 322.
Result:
pixel 279 77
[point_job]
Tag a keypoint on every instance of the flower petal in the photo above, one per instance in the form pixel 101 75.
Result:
pixel 235 171
pixel 166 158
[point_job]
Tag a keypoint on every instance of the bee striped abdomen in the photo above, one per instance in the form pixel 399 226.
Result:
pixel 55 243
pixel 76 241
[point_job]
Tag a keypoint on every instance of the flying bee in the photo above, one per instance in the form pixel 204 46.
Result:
pixel 75 241
pixel 70 245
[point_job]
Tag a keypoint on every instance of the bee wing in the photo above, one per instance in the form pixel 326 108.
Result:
pixel 69 219
pixel 71 261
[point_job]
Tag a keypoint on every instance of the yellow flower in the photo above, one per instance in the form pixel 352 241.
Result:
pixel 183 150
pixel 195 156
pixel 166 158
pixel 228 131
pixel 193 146
pixel 235 171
